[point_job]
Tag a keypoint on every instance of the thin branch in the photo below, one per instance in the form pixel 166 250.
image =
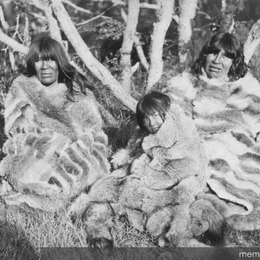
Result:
pixel 5 25
pixel 98 16
pixel 12 43
pixel 98 69
pixel 253 40
pixel 150 6
pixel 140 52
pixel 76 7
pixel 137 43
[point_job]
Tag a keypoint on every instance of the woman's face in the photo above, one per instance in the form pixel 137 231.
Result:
pixel 153 122
pixel 46 71
pixel 217 65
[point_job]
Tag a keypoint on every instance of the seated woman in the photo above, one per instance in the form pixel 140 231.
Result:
pixel 56 147
pixel 223 99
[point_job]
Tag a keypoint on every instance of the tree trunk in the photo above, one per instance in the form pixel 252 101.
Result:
pixel 128 41
pixel 228 9
pixel 253 40
pixel 140 52
pixel 187 13
pixel 52 22
pixel 89 60
pixel 164 15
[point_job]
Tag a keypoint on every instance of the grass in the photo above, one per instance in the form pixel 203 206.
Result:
pixel 237 238
pixel 26 231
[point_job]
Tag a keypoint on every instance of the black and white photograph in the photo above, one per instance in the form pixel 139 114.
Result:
pixel 129 129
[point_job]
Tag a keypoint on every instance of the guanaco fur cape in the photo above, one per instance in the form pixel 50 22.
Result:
pixel 162 173
pixel 227 117
pixel 55 148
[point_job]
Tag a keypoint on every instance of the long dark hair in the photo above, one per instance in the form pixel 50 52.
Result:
pixel 234 50
pixel 48 48
pixel 149 103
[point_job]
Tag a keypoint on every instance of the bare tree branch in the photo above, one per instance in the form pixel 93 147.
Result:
pixel 137 43
pixel 128 41
pixel 158 37
pixel 53 25
pixel 253 40
pixel 4 24
pixel 76 7
pixel 187 13
pixel 96 17
pixel 16 46
pixel 140 52
pixel 86 56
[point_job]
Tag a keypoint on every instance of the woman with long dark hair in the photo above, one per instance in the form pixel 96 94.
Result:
pixel 56 147
pixel 223 99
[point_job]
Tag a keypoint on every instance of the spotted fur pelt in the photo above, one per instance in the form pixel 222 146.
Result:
pixel 55 148
pixel 227 118
pixel 159 178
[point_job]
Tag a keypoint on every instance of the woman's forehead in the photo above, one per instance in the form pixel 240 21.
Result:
pixel 151 111
pixel 45 56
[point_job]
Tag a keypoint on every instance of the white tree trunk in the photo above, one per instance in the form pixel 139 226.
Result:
pixel 86 56
pixel 52 22
pixel 16 46
pixel 140 52
pixel 128 41
pixel 138 46
pixel 187 13
pixel 164 15
pixel 253 40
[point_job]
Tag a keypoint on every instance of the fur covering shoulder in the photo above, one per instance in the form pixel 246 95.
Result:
pixel 56 148
pixel 226 115
pixel 46 107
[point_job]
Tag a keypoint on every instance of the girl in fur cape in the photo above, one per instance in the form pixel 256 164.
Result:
pixel 164 143
pixel 224 101
pixel 56 147
pixel 163 168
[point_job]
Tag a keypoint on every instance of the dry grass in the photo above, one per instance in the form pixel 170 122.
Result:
pixel 236 238
pixel 27 231
pixel 44 229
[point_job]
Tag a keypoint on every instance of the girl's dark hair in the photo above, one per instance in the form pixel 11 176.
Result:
pixel 149 103
pixel 234 50
pixel 48 48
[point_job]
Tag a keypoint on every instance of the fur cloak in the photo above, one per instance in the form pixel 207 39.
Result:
pixel 227 118
pixel 162 173
pixel 56 148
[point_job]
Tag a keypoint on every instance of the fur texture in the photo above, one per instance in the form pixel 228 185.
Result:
pixel 55 149
pixel 160 176
pixel 226 115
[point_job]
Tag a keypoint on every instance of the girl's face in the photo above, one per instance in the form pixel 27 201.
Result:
pixel 46 71
pixel 153 122
pixel 217 65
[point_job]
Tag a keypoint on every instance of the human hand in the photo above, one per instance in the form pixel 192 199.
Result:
pixel 120 158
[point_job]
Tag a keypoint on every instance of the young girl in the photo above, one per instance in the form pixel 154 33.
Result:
pixel 150 114
pixel 166 142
